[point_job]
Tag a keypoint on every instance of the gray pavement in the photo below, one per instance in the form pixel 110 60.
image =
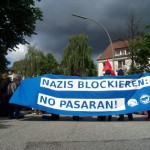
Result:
pixel 35 133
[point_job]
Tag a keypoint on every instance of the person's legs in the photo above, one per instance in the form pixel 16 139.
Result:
pixel 148 112
pixel 109 118
pixel 17 111
pixel 101 118
pixel 121 118
pixel 130 116
pixel 0 107
pixel 4 105
pixel 55 117
pixel 76 118
pixel 11 111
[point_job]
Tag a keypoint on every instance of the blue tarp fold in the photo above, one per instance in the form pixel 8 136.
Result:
pixel 85 96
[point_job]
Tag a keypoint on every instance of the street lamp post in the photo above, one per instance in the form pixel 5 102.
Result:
pixel 82 17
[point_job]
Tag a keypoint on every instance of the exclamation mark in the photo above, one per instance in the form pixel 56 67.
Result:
pixel 115 104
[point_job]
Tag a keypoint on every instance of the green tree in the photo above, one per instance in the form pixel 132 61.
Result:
pixel 19 67
pixel 77 57
pixel 133 29
pixel 47 64
pixel 142 52
pixel 17 20
pixel 129 35
pixel 35 63
pixel 3 62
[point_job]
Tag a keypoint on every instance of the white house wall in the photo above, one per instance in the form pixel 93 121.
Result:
pixel 125 67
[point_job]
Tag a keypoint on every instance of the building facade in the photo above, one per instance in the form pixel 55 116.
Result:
pixel 122 57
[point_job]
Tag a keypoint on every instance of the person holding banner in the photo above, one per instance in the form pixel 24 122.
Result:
pixel 3 95
pixel 121 116
pixel 14 109
pixel 148 112
pixel 121 73
pixel 103 118
pixel 54 116
pixel 78 73
pixel 108 71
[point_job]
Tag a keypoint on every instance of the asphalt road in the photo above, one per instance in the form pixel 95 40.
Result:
pixel 35 133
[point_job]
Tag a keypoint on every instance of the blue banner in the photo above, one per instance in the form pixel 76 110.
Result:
pixel 85 96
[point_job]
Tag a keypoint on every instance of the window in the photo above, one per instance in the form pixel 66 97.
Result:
pixel 127 52
pixel 117 53
pixel 121 63
pixel 121 52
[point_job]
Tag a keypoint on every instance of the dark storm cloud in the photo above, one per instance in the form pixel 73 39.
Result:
pixel 59 25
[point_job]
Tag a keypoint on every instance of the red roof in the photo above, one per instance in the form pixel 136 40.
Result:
pixel 107 54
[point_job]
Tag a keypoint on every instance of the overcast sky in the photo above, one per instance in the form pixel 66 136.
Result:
pixel 59 25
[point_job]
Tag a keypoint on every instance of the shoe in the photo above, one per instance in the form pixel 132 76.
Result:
pixel 76 118
pixel 120 119
pixel 47 117
pixel 109 118
pixel 10 117
pixel 148 118
pixel 55 117
pixel 101 118
pixel 130 119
